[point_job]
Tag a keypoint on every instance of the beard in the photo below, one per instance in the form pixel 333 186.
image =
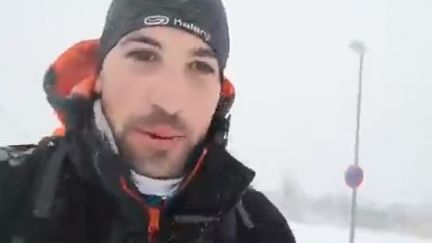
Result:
pixel 149 156
pixel 154 162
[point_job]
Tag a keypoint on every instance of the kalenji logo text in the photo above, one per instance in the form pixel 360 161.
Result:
pixel 192 27
pixel 158 20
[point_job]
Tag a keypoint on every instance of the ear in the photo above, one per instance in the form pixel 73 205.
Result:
pixel 226 99
pixel 228 89
pixel 98 85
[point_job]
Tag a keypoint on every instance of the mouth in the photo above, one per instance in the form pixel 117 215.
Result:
pixel 162 137
pixel 162 132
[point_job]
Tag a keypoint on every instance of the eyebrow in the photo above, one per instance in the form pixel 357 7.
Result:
pixel 142 39
pixel 203 52
pixel 196 52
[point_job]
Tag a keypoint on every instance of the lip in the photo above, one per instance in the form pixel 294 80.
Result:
pixel 160 137
pixel 163 132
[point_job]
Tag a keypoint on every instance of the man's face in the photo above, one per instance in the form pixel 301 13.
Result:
pixel 160 88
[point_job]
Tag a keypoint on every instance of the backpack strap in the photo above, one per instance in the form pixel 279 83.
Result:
pixel 244 215
pixel 49 178
pixel 227 230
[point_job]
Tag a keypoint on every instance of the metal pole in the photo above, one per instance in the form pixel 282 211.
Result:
pixel 359 103
pixel 356 151
pixel 353 216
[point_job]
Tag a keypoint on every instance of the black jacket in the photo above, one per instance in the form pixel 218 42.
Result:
pixel 61 191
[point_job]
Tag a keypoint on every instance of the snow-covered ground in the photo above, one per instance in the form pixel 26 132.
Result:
pixel 328 234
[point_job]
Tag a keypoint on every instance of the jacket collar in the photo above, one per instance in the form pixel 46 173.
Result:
pixel 214 189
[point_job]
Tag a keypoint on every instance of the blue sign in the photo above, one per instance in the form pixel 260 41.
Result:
pixel 354 176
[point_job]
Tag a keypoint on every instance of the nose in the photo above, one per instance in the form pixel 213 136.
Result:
pixel 169 92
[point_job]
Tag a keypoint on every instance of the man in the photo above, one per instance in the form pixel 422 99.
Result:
pixel 141 157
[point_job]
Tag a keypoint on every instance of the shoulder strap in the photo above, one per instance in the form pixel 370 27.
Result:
pixel 244 215
pixel 49 180
pixel 227 230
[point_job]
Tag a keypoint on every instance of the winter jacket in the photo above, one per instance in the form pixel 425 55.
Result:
pixel 57 192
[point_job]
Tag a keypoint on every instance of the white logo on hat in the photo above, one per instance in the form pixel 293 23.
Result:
pixel 192 27
pixel 156 20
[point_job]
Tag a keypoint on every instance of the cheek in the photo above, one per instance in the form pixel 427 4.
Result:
pixel 122 98
pixel 202 107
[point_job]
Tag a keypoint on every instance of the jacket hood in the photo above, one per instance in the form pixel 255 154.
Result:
pixel 71 78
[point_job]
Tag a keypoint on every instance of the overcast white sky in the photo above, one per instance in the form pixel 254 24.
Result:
pixel 296 79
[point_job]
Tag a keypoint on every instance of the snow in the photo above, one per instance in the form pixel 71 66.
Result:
pixel 328 234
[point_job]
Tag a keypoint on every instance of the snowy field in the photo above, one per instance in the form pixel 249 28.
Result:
pixel 328 234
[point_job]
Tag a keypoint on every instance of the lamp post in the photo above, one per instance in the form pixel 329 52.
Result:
pixel 354 176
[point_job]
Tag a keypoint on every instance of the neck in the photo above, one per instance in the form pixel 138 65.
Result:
pixel 156 187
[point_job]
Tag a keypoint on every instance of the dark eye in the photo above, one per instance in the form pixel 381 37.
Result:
pixel 202 67
pixel 143 55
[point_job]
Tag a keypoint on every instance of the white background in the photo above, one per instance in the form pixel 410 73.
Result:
pixel 296 81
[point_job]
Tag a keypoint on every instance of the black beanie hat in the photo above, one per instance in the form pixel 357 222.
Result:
pixel 203 18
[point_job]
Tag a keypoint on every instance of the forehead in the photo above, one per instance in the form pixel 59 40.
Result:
pixel 164 37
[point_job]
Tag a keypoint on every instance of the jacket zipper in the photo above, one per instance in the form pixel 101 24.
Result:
pixel 154 223
pixel 152 212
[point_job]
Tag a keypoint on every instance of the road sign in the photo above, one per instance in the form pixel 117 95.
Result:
pixel 354 176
